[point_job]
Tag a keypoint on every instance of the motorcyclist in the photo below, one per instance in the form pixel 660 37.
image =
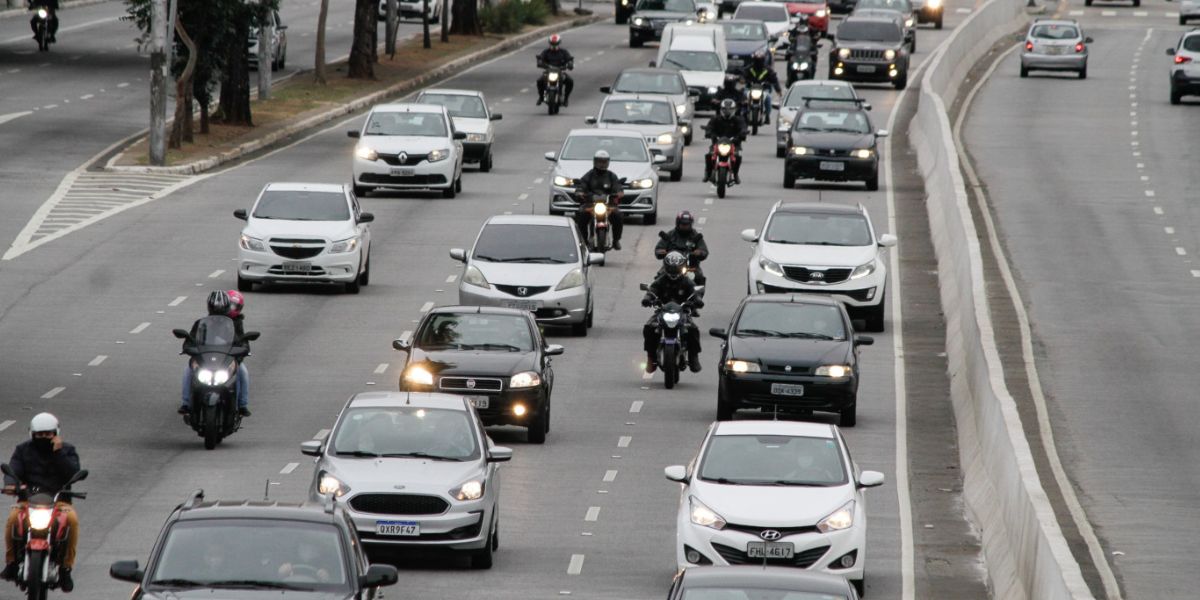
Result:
pixel 600 181
pixel 556 56
pixel 231 304
pixel 726 124
pixel 45 462
pixel 730 91
pixel 760 73
pixel 671 286
pixel 51 7
pixel 685 240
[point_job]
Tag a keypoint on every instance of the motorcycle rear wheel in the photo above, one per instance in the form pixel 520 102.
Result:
pixel 670 366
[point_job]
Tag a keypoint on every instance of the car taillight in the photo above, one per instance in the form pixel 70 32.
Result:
pixel 1179 59
pixel 1028 46
pixel 1079 47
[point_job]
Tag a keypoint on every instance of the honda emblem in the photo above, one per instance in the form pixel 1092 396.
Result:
pixel 522 291
pixel 770 535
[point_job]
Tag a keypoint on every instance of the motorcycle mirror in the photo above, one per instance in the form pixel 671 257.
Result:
pixel 554 350
pixel 7 470
pixel 180 333
pixel 590 120
pixel 79 475
pixel 354 133
pixel 126 570
pixel 644 287
pixel 241 214
pixel 250 336
pixel 550 156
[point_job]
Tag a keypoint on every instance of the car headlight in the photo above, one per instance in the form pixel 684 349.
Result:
pixel 712 89
pixel 344 246
pixel 561 181
pixel 863 153
pixel 756 94
pixel 471 490
pixel 680 109
pixel 842 518
pixel 638 21
pixel 476 137
pixel 742 366
pixel 418 375
pixel 863 270
pixel 889 54
pixel 666 138
pixel 820 14
pixel 724 149
pixel 642 184
pixel 770 266
pixel 933 4
pixel 328 484
pixel 473 276
pixel 688 22
pixel 785 124
pixel 705 516
pixel 573 279
pixel 438 154
pixel 39 517
pixel 366 153
pixel 800 150
pixel 835 371
pixel 843 53
pixel 908 22
pixel 252 243
pixel 524 380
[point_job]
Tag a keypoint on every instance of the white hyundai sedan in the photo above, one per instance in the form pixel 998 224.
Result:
pixel 408 147
pixel 780 493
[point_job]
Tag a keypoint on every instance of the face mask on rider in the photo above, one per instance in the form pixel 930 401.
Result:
pixel 43 444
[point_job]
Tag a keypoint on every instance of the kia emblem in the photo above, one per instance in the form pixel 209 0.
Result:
pixel 817 275
pixel 770 535
pixel 470 384
pixel 403 158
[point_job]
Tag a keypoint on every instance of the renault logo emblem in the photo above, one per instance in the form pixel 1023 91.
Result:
pixel 770 535
pixel 522 291
pixel 470 384
pixel 403 158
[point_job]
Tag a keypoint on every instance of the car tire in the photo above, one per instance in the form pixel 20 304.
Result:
pixel 1083 72
pixel 1024 71
pixel 536 432
pixel 485 164
pixel 364 278
pixel 353 287
pixel 874 315
pixel 687 139
pixel 482 559
pixel 450 191
pixel 1182 21
pixel 1176 97
pixel 650 218
pixel 677 174
pixel 361 190
pixel 780 152
pixel 634 42
pixel 725 406
pixel 591 319
pixel 789 180
pixel 860 586
pixel 938 24
pixel 912 45
pixel 283 59
pixel 873 182
pixel 458 184
pixel 244 285
pixel 580 329
pixel 1137 3
pixel 902 82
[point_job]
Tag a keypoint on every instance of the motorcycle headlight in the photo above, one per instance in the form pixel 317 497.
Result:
pixel 524 380
pixel 600 209
pixel 220 376
pixel 680 109
pixel 842 518
pixel 705 516
pixel 473 276
pixel 712 89
pixel 889 54
pixel 552 77
pixel 770 266
pixel 561 181
pixel 756 94
pixel 344 246
pixel 820 14
pixel 366 153
pixel 439 154
pixel 251 243
pixel 835 371
pixel 573 279
pixel 863 270
pixel 862 153
pixel 471 490
pixel 803 67
pixel 666 138
pixel 43 13
pixel 418 375
pixel 642 184
pixel 800 150
pixel 843 53
pixel 724 149
pixel 671 319
pixel 328 484
pixel 39 517
pixel 742 366
pixel 476 137
pixel 205 376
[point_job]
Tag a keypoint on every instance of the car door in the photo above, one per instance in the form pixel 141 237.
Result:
pixel 458 147
pixel 364 229
pixel 545 360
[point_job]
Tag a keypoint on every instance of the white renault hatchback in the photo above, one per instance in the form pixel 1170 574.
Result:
pixel 305 232
pixel 781 493
pixel 408 147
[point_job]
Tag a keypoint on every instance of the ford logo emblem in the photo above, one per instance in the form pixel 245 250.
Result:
pixel 770 535
pixel 470 384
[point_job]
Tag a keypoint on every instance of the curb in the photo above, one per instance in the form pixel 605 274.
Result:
pixel 355 105
pixel 9 13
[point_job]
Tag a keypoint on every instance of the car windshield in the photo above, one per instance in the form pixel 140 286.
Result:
pixel 215 330
pixel 901 6
pixel 687 6
pixel 1191 43
pixel 745 31
pixel 650 83
pixel 789 319
pixel 297 205
pixel 761 13
pixel 476 331
pixel 638 112
pixel 691 60
pixel 406 432
pixel 620 149
pixel 844 121
pixel 869 31
pixel 458 105
pixel 248 553
pixel 833 90
pixel 517 243
pixel 819 229
pixel 773 460
pixel 1055 32
pixel 420 124
pixel 755 593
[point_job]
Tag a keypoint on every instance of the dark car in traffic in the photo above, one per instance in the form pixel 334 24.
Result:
pixel 248 549
pixel 833 140
pixel 744 37
pixel 494 356
pixel 792 353
pixel 871 48
pixel 650 17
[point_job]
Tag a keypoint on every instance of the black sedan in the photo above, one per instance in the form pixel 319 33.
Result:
pixel 496 357
pixel 792 353
pixel 765 583
pixel 833 140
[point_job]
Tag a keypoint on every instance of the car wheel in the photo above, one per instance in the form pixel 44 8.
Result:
pixel 725 405
pixel 1137 3
pixel 873 182
pixel 283 59
pixel 677 174
pixel 687 139
pixel 364 278
pixel 874 315
pixel 1182 21
pixel 458 184
pixel 650 218
pixel 634 42
pixel 245 285
pixel 789 180
pixel 450 191
pixel 1083 72
pixel 848 416
pixel 485 165
pixel 1024 71
pixel 780 152
pixel 361 190
pixel 938 24
pixel 482 558
pixel 902 82
pixel 1176 97
pixel 859 586
pixel 538 427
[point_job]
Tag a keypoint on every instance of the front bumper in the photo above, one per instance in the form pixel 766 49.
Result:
pixel 813 550
pixel 266 266
pixel 462 527
pixel 868 71
pixel 634 202
pixel 646 33
pixel 820 393
pixel 864 292
pixel 565 307
pixel 823 167
pixel 424 175
pixel 1054 62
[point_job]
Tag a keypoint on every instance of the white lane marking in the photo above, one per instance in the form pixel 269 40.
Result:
pixel 177 301
pixel 1145 178
pixel 708 200
pixel 576 566
pixel 1141 165
pixel 216 274
pixel 288 468
pixel 1158 210
pixel 381 369
pixel 523 197
pixel 1140 13
pixel 425 307
pixel 623 441
pixel 636 407
pixel 506 100
pixel 1076 13
pixel 49 106
pixel 593 514
pixel 1180 250
pixel 100 358
pixel 539 180
pixel 122 85
pixel 1169 230
pixel 140 328
pixel 523 90
pixel 14 70
pixel 321 434
pixel 52 393
pixel 1108 13
pixel 702 220
pixel 962 11
pixel 16 115
pixel 6 425
pixel 1195 273
pixel 611 474
pixel 508 212
pixel 451 278
pixel 599 53
pixel 1149 193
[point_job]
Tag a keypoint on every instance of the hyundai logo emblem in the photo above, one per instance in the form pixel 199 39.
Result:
pixel 398 487
pixel 522 291
pixel 403 157
pixel 470 384
pixel 770 535
pixel 817 275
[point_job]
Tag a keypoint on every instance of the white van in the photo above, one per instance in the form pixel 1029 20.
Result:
pixel 672 31
pixel 701 60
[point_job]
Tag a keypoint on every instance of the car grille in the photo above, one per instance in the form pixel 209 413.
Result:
pixel 862 54
pixel 407 180
pixel 802 560
pixel 819 276
pixel 757 529
pixel 399 504
pixel 297 248
pixel 471 384
pixel 314 271
pixel 793 371
pixel 831 152
pixel 394 159
pixel 522 291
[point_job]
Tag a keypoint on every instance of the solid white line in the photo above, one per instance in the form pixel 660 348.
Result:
pixel 216 274
pixel 611 474
pixel 623 441
pixel 140 328
pixel 177 301
pixel 288 468
pixel 593 514
pixel 52 393
pixel 425 307
pixel 321 434
pixel 1180 250
pixel 576 566
pixel 6 425
pixel 96 361
pixel 381 369
pixel 636 407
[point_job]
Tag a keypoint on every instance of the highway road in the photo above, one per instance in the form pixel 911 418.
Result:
pixel 1092 185
pixel 85 330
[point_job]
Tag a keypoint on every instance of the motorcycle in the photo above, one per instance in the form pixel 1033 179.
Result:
pixel 42 534
pixel 599 231
pixel 724 151
pixel 555 89
pixel 758 108
pixel 802 51
pixel 672 322
pixel 216 353
pixel 41 28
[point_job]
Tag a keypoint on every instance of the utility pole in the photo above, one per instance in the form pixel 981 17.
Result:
pixel 158 81
pixel 266 52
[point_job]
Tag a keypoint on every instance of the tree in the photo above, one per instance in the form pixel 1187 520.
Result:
pixel 181 130
pixel 364 48
pixel 234 107
pixel 319 62
pixel 466 18
pixel 445 19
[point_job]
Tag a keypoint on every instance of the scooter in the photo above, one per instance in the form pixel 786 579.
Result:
pixel 42 534
pixel 672 322
pixel 216 353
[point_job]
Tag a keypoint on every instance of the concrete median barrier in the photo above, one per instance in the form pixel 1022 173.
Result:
pixel 1027 556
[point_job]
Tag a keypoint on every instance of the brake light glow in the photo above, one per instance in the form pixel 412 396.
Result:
pixel 1079 47
pixel 1028 46
pixel 1180 59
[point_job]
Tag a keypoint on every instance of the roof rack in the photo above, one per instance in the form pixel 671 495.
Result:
pixel 856 101
pixel 197 495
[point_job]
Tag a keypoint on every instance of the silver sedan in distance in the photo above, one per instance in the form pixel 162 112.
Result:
pixel 1055 45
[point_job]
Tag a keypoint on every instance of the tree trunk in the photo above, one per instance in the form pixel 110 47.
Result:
pixel 390 28
pixel 466 18
pixel 445 19
pixel 319 61
pixel 425 24
pixel 363 50
pixel 235 85
pixel 181 130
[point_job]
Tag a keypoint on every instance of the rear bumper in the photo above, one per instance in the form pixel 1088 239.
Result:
pixel 1054 62
pixel 818 167
pixel 820 393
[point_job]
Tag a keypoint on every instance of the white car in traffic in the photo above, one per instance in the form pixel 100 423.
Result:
pixel 470 114
pixel 408 147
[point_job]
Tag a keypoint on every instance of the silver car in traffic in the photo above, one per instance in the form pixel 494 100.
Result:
pixel 629 159
pixel 413 469
pixel 793 101
pixel 664 82
pixel 1055 45
pixel 652 116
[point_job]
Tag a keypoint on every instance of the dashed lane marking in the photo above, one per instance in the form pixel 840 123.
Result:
pixel 1195 273
pixel 381 369
pixel 593 514
pixel 623 441
pixel 140 328
pixel 123 84
pixel 636 407
pixel 98 360
pixel 1158 210
pixel 1180 250
pixel 6 425
pixel 523 197
pixel 216 274
pixel 425 307
pixel 1149 193
pixel 177 301
pixel 451 278
pixel 321 434
pixel 52 393
pixel 611 474
pixel 288 468
pixel 1108 13
pixel 49 106
pixel 1169 230
pixel 539 180
pixel 576 565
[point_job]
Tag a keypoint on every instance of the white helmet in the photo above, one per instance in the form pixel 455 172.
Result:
pixel 43 422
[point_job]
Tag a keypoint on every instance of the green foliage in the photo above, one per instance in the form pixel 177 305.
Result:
pixel 509 16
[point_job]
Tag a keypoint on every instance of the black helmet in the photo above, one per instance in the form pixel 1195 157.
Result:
pixel 759 58
pixel 728 108
pixel 218 303
pixel 683 221
pixel 600 160
pixel 675 264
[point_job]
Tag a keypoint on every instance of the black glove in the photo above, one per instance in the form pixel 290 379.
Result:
pixel 647 302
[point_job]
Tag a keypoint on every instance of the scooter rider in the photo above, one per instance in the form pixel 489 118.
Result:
pixel 726 124
pixel 558 57
pixel 671 286
pixel 231 304
pixel 759 72
pixel 600 181
pixel 51 7
pixel 685 240
pixel 46 462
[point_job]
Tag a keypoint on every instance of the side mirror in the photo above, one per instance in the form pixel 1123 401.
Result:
pixel 773 38
pixel 379 575
pixel 694 93
pixel 653 64
pixel 241 214
pixel 606 90
pixel 499 454
pixel 863 340
pixel 590 120
pixel 718 332
pixel 870 479
pixel 7 470
pixel 1088 40
pixel 595 258
pixel 881 133
pixel 554 350
pixel 659 159
pixel 1170 52
pixel 496 116
pixel 676 473
pixel 311 447
pixel 750 235
pixel 643 287
pixel 699 291
pixel 250 336
pixel 126 570
pixel 460 135
pixel 79 475
pixel 366 218
pixel 550 156
pixel 180 333
pixel 866 105
pixel 354 133
pixel 458 254
pixel 887 240
pixel 663 235
pixel 401 344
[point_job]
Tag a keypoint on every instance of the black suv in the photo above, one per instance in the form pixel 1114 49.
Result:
pixel 241 549
pixel 651 16
pixel 870 48
pixel 832 139
pixel 792 353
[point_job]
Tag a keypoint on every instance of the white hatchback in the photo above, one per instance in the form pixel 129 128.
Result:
pixel 408 147
pixel 782 493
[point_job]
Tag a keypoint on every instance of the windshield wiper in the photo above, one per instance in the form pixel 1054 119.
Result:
pixel 644 122
pixel 674 62
pixel 549 259
pixel 813 336
pixel 255 583
pixel 763 332
pixel 822 244
pixel 421 455
pixel 782 482
pixel 178 582
pixel 846 130
pixel 725 481
pixel 357 454
pixel 489 346
pixel 806 128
